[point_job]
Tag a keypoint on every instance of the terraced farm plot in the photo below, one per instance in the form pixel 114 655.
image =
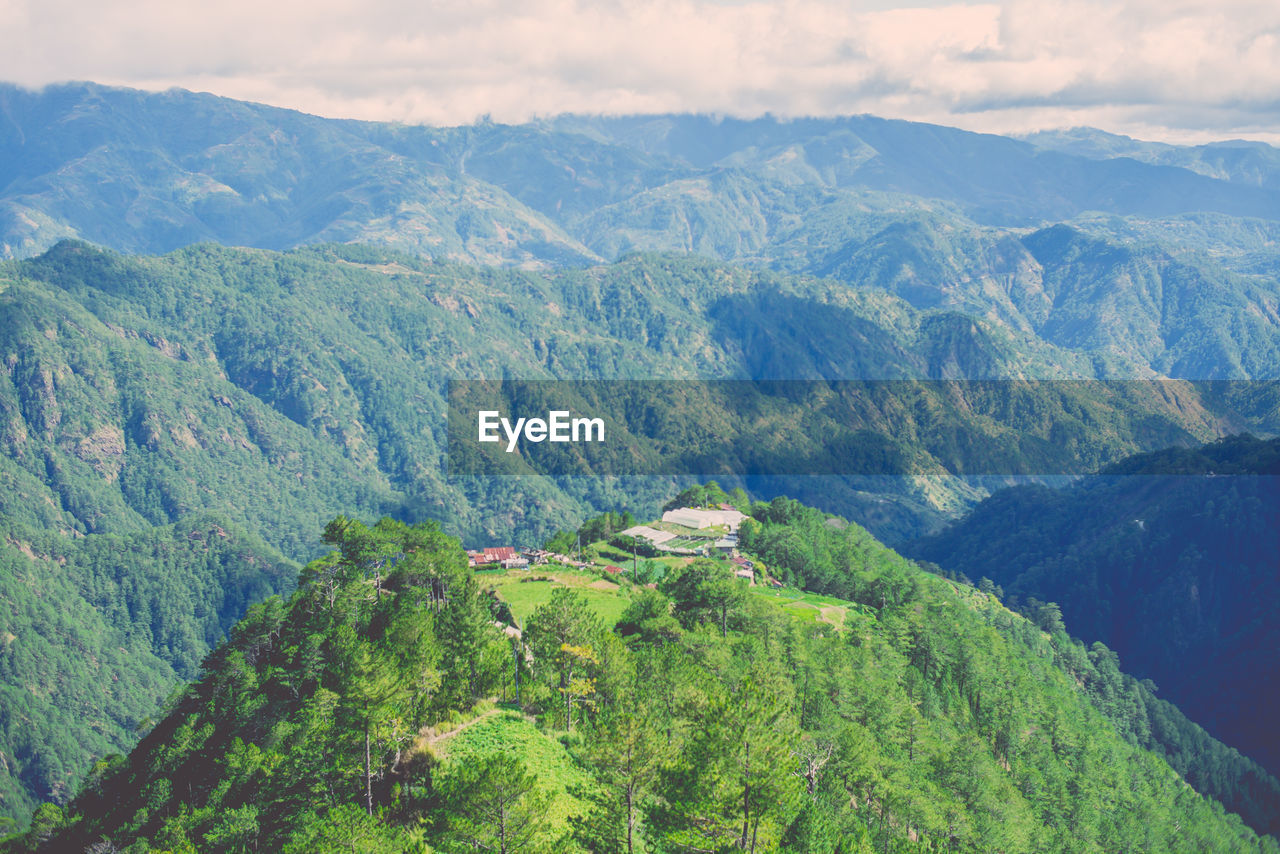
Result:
pixel 673 528
pixel 688 542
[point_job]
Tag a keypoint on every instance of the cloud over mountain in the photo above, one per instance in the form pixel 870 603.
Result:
pixel 1174 70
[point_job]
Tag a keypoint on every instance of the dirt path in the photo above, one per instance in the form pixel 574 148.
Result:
pixel 434 739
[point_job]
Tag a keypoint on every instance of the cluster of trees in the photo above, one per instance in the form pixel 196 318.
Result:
pixel 600 528
pixel 709 719
pixel 708 494
pixel 807 548
pixel 604 526
pixel 304 723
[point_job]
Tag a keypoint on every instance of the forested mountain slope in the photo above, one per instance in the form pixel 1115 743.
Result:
pixel 275 388
pixel 1133 306
pixel 95 633
pixel 151 173
pixel 1170 561
pixel 917 713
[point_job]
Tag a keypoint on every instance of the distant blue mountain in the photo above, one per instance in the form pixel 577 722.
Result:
pixel 145 172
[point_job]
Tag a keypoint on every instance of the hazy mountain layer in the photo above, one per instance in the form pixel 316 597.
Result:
pixel 153 172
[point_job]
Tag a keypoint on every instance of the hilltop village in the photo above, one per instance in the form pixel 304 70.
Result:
pixel 614 544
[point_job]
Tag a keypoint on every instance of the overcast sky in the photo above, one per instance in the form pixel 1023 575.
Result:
pixel 1157 70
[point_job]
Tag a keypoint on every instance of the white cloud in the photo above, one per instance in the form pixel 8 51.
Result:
pixel 1171 69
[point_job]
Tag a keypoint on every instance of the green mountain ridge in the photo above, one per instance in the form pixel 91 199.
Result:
pixel 927 715
pixel 1134 307
pixel 250 383
pixel 143 175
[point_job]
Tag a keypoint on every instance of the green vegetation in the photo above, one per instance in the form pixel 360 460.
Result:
pixel 96 632
pixel 934 719
pixel 806 606
pixel 708 495
pixel 511 734
pixel 524 591
pixel 1172 566
pixel 148 403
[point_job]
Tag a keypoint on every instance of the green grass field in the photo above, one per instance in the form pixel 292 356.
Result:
pixel 606 599
pixel 810 606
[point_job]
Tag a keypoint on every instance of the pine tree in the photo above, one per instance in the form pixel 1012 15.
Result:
pixel 563 634
pixel 493 803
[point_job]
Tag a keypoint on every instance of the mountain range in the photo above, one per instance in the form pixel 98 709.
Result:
pixel 222 316
pixel 147 172
pixel 1092 250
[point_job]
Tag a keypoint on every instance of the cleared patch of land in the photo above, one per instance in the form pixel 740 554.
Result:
pixel 810 606
pixel 525 590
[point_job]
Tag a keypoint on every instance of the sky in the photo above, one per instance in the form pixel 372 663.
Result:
pixel 1176 71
